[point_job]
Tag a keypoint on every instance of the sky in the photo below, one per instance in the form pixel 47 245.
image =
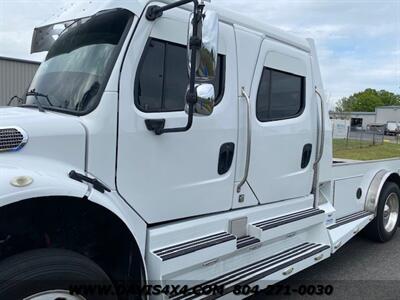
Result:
pixel 358 41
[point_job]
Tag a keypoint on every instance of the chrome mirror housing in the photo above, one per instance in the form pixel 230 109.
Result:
pixel 208 31
pixel 205 100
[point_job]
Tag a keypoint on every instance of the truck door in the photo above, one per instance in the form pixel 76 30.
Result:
pixel 175 175
pixel 283 124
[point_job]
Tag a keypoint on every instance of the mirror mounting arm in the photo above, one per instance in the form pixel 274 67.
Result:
pixel 154 12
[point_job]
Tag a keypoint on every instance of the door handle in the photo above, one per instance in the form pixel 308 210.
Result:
pixel 248 143
pixel 226 154
pixel 306 157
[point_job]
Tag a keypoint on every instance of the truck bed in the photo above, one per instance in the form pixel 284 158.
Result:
pixel 349 177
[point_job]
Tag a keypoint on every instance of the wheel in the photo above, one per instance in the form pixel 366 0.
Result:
pixel 49 274
pixel 384 226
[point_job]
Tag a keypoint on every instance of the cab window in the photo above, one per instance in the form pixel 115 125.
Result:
pixel 280 96
pixel 162 78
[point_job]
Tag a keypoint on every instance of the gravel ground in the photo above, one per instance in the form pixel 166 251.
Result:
pixel 359 270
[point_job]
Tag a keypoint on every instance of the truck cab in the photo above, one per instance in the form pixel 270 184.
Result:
pixel 147 154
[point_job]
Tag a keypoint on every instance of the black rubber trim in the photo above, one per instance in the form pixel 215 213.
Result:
pixel 246 241
pixel 260 265
pixel 198 247
pixel 231 274
pixel 194 245
pixel 271 271
pixel 350 218
pixel 202 239
pixel 244 272
pixel 272 223
pixel 284 217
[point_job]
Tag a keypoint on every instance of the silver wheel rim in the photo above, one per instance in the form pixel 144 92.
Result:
pixel 391 212
pixel 54 295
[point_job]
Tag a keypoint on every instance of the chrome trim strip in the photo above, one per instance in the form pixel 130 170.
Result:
pixel 320 149
pixel 374 190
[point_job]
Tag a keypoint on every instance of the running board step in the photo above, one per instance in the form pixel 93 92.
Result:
pixel 246 241
pixel 296 259
pixel 286 224
pixel 350 218
pixel 347 227
pixel 193 245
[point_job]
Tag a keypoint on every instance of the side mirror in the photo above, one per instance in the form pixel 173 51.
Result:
pixel 205 100
pixel 207 55
pixel 206 62
pixel 202 61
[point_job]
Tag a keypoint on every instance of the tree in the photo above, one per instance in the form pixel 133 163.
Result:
pixel 367 100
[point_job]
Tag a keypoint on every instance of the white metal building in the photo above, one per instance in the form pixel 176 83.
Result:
pixel 386 114
pixel 15 77
pixel 382 115
pixel 356 119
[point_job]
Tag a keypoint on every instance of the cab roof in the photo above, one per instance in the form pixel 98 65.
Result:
pixel 88 8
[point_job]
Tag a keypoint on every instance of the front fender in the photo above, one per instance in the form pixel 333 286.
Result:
pixel 118 206
pixel 50 179
pixel 114 203
pixel 53 181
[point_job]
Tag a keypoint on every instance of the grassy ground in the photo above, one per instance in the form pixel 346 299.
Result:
pixel 364 151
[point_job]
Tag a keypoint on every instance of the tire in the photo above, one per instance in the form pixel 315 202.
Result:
pixel 52 272
pixel 384 226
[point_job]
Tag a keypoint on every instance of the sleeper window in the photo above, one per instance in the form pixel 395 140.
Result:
pixel 280 96
pixel 162 78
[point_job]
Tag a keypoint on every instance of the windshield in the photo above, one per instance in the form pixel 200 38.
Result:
pixel 79 63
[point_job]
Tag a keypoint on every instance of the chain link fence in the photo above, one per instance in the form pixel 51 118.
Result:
pixel 394 139
pixel 360 138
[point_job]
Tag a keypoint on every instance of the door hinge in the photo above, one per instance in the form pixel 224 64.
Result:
pixel 97 185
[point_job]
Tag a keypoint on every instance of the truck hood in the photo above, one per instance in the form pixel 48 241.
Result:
pixel 53 140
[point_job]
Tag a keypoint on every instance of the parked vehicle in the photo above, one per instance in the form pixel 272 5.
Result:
pixel 392 128
pixel 123 168
pixel 379 128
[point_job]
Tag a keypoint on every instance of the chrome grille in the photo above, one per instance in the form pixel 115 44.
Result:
pixel 12 139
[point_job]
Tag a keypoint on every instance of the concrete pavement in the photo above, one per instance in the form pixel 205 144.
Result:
pixel 361 269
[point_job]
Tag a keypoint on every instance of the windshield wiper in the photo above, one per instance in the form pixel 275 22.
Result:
pixel 36 95
pixel 20 100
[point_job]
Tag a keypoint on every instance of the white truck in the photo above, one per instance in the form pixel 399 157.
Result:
pixel 392 128
pixel 173 163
